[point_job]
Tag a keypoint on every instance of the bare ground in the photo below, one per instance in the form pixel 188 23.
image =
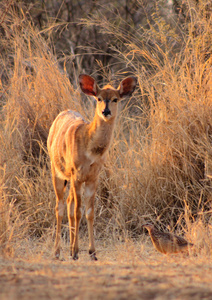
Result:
pixel 124 271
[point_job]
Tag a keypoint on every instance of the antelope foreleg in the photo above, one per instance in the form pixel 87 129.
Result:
pixel 77 217
pixel 90 189
pixel 70 208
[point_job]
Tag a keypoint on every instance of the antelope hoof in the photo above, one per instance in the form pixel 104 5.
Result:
pixel 57 254
pixel 75 256
pixel 93 256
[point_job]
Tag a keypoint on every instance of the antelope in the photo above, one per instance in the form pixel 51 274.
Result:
pixel 77 151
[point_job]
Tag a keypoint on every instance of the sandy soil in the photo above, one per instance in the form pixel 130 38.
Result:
pixel 126 271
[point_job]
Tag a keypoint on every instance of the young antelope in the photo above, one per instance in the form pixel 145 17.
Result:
pixel 78 151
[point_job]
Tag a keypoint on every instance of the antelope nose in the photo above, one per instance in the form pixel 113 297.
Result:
pixel 106 112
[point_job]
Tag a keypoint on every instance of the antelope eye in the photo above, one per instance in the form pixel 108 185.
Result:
pixel 115 100
pixel 99 99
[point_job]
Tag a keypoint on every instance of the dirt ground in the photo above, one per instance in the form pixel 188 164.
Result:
pixel 125 271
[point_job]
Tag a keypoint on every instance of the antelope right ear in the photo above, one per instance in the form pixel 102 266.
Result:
pixel 88 85
pixel 127 86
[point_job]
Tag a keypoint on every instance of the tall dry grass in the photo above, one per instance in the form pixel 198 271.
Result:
pixel 159 164
pixel 36 92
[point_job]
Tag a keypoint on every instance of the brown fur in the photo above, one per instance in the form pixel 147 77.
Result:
pixel 78 150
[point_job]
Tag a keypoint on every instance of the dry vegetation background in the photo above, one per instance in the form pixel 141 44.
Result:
pixel 160 162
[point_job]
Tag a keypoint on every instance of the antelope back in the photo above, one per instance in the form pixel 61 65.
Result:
pixel 59 142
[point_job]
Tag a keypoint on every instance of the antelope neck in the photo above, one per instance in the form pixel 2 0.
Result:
pixel 100 132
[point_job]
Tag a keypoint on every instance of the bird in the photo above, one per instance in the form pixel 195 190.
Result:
pixel 165 242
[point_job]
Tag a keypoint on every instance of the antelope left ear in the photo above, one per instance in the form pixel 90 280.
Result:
pixel 127 86
pixel 88 85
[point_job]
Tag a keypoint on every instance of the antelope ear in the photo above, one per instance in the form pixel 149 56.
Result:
pixel 88 85
pixel 127 86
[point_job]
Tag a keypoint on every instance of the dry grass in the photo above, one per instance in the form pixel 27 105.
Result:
pixel 159 165
pixel 160 161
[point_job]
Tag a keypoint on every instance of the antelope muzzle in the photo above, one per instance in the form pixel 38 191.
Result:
pixel 106 112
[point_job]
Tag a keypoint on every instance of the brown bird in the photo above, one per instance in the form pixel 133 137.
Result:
pixel 166 242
